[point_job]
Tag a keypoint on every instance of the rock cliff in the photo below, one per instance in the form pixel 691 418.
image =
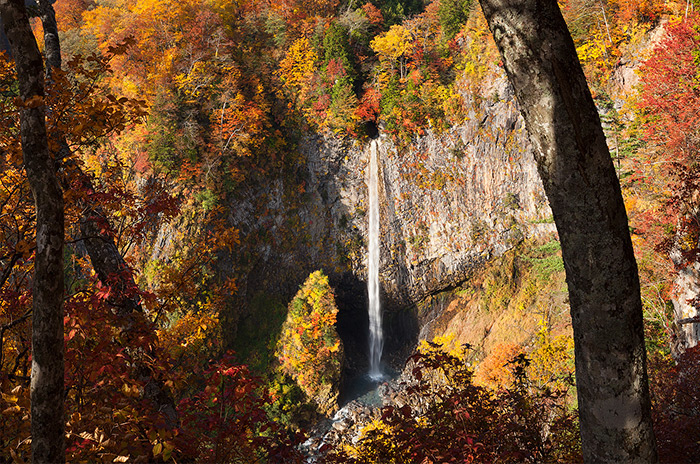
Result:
pixel 448 202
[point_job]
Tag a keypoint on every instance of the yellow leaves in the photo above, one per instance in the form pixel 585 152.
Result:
pixel 335 347
pixel 447 344
pixel 393 44
pixel 298 65
pixel 309 348
pixel 130 390
pixel 13 396
pixel 551 358
pixel 200 75
pixel 190 335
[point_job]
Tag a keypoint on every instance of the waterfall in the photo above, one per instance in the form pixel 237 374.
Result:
pixel 376 337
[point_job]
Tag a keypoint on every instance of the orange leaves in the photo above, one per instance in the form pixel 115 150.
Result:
pixel 34 102
pixel 309 348
pixel 69 13
pixel 191 336
pixel 495 371
pixel 159 46
pixel 373 14
pixel 628 11
pixel 17 243
pixel 14 420
pixel 302 16
pixel 82 110
pixel 239 123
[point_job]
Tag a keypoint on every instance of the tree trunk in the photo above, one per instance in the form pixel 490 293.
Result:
pixel 109 264
pixel 47 390
pixel 584 193
pixel 52 47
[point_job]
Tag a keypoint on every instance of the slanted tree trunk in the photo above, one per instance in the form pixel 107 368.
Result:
pixel 47 389
pixel 584 193
pixel 52 47
pixel 109 264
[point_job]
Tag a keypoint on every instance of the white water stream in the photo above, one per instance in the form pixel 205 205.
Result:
pixel 376 336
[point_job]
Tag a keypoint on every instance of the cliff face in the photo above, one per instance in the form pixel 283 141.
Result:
pixel 448 202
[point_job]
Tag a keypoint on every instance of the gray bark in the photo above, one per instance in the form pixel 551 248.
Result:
pixel 584 193
pixel 109 264
pixel 47 389
pixel 52 47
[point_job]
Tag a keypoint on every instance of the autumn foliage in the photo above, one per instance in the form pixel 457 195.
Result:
pixel 445 417
pixel 675 397
pixel 173 111
pixel 668 99
pixel 309 349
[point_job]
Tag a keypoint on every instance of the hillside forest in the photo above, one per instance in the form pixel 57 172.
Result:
pixel 165 122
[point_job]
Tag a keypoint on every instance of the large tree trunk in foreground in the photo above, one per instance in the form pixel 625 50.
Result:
pixel 47 388
pixel 584 193
pixel 109 264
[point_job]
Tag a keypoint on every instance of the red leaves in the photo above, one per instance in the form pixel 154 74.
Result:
pixel 454 420
pixel 668 166
pixel 373 14
pixel 675 398
pixel 369 105
pixel 670 94
pixel 226 420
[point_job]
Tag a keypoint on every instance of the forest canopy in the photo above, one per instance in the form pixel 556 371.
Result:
pixel 164 117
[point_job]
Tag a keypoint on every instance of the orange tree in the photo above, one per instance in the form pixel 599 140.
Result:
pixel 118 372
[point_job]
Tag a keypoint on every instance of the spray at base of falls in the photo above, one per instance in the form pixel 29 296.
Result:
pixel 376 336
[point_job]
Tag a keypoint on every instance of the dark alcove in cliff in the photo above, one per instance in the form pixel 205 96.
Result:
pixel 400 333
pixel 370 129
pixel 352 322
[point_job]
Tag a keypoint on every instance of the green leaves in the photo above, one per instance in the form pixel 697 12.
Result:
pixel 309 349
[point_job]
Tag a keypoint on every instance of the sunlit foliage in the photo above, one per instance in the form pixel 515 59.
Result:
pixel 309 348
pixel 445 417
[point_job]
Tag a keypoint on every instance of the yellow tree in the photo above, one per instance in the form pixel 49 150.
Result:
pixel 309 348
pixel 298 65
pixel 394 47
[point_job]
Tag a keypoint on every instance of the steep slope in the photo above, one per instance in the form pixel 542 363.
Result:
pixel 449 202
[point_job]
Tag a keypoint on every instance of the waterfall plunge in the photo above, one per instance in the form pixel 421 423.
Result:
pixel 376 336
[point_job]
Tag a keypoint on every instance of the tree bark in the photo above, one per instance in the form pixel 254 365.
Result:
pixel 584 193
pixel 52 46
pixel 47 389
pixel 109 264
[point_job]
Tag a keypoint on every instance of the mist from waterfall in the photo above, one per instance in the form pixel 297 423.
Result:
pixel 376 336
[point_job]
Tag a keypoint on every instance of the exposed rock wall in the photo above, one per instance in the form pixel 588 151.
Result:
pixel 448 202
